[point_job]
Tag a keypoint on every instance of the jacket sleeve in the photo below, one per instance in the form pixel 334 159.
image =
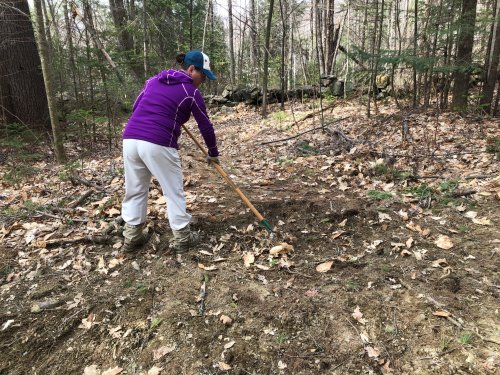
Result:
pixel 204 124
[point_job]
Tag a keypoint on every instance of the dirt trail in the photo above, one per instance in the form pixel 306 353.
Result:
pixel 392 302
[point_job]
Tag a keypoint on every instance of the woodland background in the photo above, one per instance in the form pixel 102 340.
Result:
pixel 95 55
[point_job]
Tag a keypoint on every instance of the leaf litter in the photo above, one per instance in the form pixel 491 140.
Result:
pixel 334 237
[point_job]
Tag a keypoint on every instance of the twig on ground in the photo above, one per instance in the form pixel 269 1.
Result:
pixel 304 132
pixel 61 217
pixel 102 240
pixel 439 355
pixel 202 297
pixel 463 193
pixel 78 180
pixel 82 199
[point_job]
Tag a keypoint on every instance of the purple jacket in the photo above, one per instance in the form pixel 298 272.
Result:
pixel 165 103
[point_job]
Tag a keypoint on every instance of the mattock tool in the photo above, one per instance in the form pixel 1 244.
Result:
pixel 230 182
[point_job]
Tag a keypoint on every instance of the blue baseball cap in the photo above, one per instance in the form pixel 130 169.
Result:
pixel 200 61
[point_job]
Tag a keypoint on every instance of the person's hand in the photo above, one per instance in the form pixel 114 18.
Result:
pixel 210 159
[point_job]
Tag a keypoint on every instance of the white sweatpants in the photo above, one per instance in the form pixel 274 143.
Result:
pixel 142 159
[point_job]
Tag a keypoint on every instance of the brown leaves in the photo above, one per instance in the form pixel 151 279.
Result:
pixel 163 351
pixel 443 314
pixel 358 315
pixel 324 267
pixel 248 258
pixel 417 228
pixel 207 268
pixel 112 371
pixel 282 248
pixel 87 322
pixel 444 242
pixel 226 320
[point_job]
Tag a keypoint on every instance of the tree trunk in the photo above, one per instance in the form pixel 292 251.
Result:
pixel 71 49
pixel 89 25
pixel 331 37
pixel 125 39
pixel 231 42
pixel 465 42
pixel 266 58
pixel 43 49
pixel 22 91
pixel 428 90
pixel 191 8
pixel 371 84
pixel 377 52
pixel 145 36
pixel 415 52
pixel 492 65
pixel 319 37
pixel 254 51
pixel 283 47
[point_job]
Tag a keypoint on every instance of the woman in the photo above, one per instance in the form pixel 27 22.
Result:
pixel 150 147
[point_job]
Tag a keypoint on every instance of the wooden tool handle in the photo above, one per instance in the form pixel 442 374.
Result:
pixel 227 178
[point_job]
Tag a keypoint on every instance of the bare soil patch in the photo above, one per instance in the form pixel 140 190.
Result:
pixel 392 302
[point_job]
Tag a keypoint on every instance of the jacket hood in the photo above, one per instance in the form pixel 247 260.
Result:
pixel 174 77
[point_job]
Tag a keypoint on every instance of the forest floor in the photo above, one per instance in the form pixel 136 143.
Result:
pixel 385 257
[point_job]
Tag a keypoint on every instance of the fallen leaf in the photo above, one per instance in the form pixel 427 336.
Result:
pixel 470 214
pixel 87 322
pixel 154 370
pixel 113 212
pixel 374 244
pixel 248 259
pixel 482 221
pixel 282 365
pixel 324 267
pixel 372 352
pixel 419 254
pixel 358 315
pixel 207 268
pixel 439 263
pixel 417 228
pixel 224 366
pixel 409 242
pixel 383 217
pixel 226 320
pixel 364 337
pixel 91 370
pixel 282 248
pixel 403 215
pixel 204 252
pixel 386 369
pixel 163 351
pixel 443 314
pixel 112 371
pixel 160 201
pixel 336 234
pixel 444 242
pixel 229 344
pixel 342 223
pixel 7 324
pixel 115 261
pixel 262 267
pixel 311 292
